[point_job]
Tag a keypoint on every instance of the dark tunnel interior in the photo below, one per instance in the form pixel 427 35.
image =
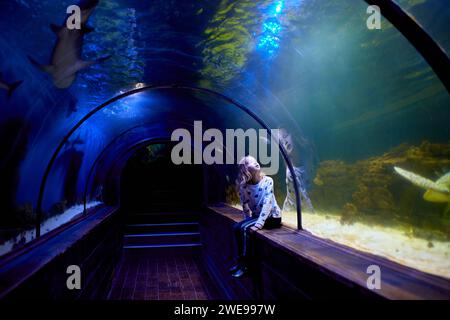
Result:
pixel 150 182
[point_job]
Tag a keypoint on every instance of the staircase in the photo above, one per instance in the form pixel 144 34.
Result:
pixel 162 232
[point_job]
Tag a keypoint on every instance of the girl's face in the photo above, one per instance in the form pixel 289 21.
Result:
pixel 286 141
pixel 253 166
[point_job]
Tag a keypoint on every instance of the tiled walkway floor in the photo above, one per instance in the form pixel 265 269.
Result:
pixel 162 277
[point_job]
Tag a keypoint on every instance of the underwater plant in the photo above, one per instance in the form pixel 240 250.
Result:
pixel 231 195
pixel 229 40
pixel 369 190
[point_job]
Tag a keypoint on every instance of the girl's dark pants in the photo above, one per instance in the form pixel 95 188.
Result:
pixel 241 231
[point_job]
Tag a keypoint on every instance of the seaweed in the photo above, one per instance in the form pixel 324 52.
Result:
pixel 369 191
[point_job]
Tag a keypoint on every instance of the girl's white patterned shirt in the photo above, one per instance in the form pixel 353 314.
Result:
pixel 259 201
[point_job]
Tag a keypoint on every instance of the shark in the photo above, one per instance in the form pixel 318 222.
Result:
pixel 9 87
pixel 436 191
pixel 66 55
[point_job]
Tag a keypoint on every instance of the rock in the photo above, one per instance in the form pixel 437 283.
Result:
pixel 369 190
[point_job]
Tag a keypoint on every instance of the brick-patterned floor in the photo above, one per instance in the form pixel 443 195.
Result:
pixel 162 277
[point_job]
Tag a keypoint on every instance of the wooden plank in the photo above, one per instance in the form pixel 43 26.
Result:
pixel 348 265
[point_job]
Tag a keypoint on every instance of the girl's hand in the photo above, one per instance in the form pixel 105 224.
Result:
pixel 254 229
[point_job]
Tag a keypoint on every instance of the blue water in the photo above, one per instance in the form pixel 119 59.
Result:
pixel 345 93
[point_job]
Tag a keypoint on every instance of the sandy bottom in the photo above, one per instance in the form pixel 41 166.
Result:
pixel 387 242
pixel 46 226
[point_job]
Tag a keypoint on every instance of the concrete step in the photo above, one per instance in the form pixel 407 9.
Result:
pixel 163 249
pixel 161 227
pixel 158 207
pixel 162 217
pixel 161 238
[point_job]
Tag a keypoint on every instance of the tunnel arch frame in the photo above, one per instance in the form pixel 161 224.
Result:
pixel 151 88
pixel 430 50
pixel 418 37
pixel 103 153
pixel 125 153
pixel 132 148
pixel 134 145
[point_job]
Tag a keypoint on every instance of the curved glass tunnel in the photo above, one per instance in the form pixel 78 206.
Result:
pixel 365 111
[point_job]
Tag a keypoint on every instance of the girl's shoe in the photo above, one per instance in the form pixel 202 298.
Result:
pixel 235 268
pixel 240 272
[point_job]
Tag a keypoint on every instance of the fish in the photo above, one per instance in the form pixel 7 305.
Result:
pixel 436 191
pixel 9 87
pixel 66 55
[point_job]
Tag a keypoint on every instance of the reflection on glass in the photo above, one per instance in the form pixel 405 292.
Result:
pixel 289 204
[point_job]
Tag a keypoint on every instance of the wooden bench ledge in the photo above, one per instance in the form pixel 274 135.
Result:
pixel 348 264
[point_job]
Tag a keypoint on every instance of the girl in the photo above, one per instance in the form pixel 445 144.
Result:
pixel 259 205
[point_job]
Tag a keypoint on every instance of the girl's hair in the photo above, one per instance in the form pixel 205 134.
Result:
pixel 244 175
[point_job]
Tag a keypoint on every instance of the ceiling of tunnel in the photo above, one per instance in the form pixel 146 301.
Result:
pixel 221 44
pixel 179 109
pixel 308 65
